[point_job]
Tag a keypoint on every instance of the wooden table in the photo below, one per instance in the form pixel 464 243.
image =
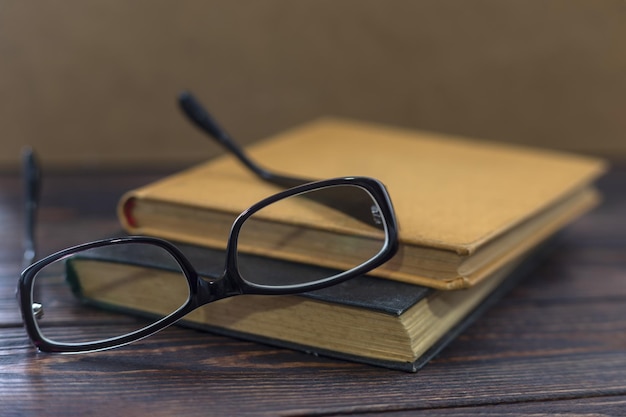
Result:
pixel 556 344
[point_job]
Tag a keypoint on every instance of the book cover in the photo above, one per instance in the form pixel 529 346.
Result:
pixel 465 208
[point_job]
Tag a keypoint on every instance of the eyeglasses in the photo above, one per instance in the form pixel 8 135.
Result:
pixel 52 292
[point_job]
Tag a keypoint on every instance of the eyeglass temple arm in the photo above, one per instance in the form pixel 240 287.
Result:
pixel 32 190
pixel 349 201
pixel 198 115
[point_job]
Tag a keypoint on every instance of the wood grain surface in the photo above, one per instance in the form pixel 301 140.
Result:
pixel 555 344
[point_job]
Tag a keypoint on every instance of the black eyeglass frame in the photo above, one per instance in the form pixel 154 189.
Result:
pixel 202 291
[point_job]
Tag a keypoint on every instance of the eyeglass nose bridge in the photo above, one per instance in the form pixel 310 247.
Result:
pixel 209 290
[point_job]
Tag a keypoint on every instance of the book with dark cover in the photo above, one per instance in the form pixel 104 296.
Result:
pixel 366 319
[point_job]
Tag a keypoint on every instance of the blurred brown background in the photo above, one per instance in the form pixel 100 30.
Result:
pixel 94 83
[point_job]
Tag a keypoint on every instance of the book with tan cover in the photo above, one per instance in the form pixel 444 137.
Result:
pixel 465 207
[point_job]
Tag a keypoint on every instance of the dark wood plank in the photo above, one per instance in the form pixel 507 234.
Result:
pixel 590 406
pixel 235 378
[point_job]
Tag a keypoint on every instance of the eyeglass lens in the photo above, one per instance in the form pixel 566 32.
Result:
pixel 358 235
pixel 68 293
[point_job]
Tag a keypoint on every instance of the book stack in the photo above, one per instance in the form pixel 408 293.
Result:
pixel 472 215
